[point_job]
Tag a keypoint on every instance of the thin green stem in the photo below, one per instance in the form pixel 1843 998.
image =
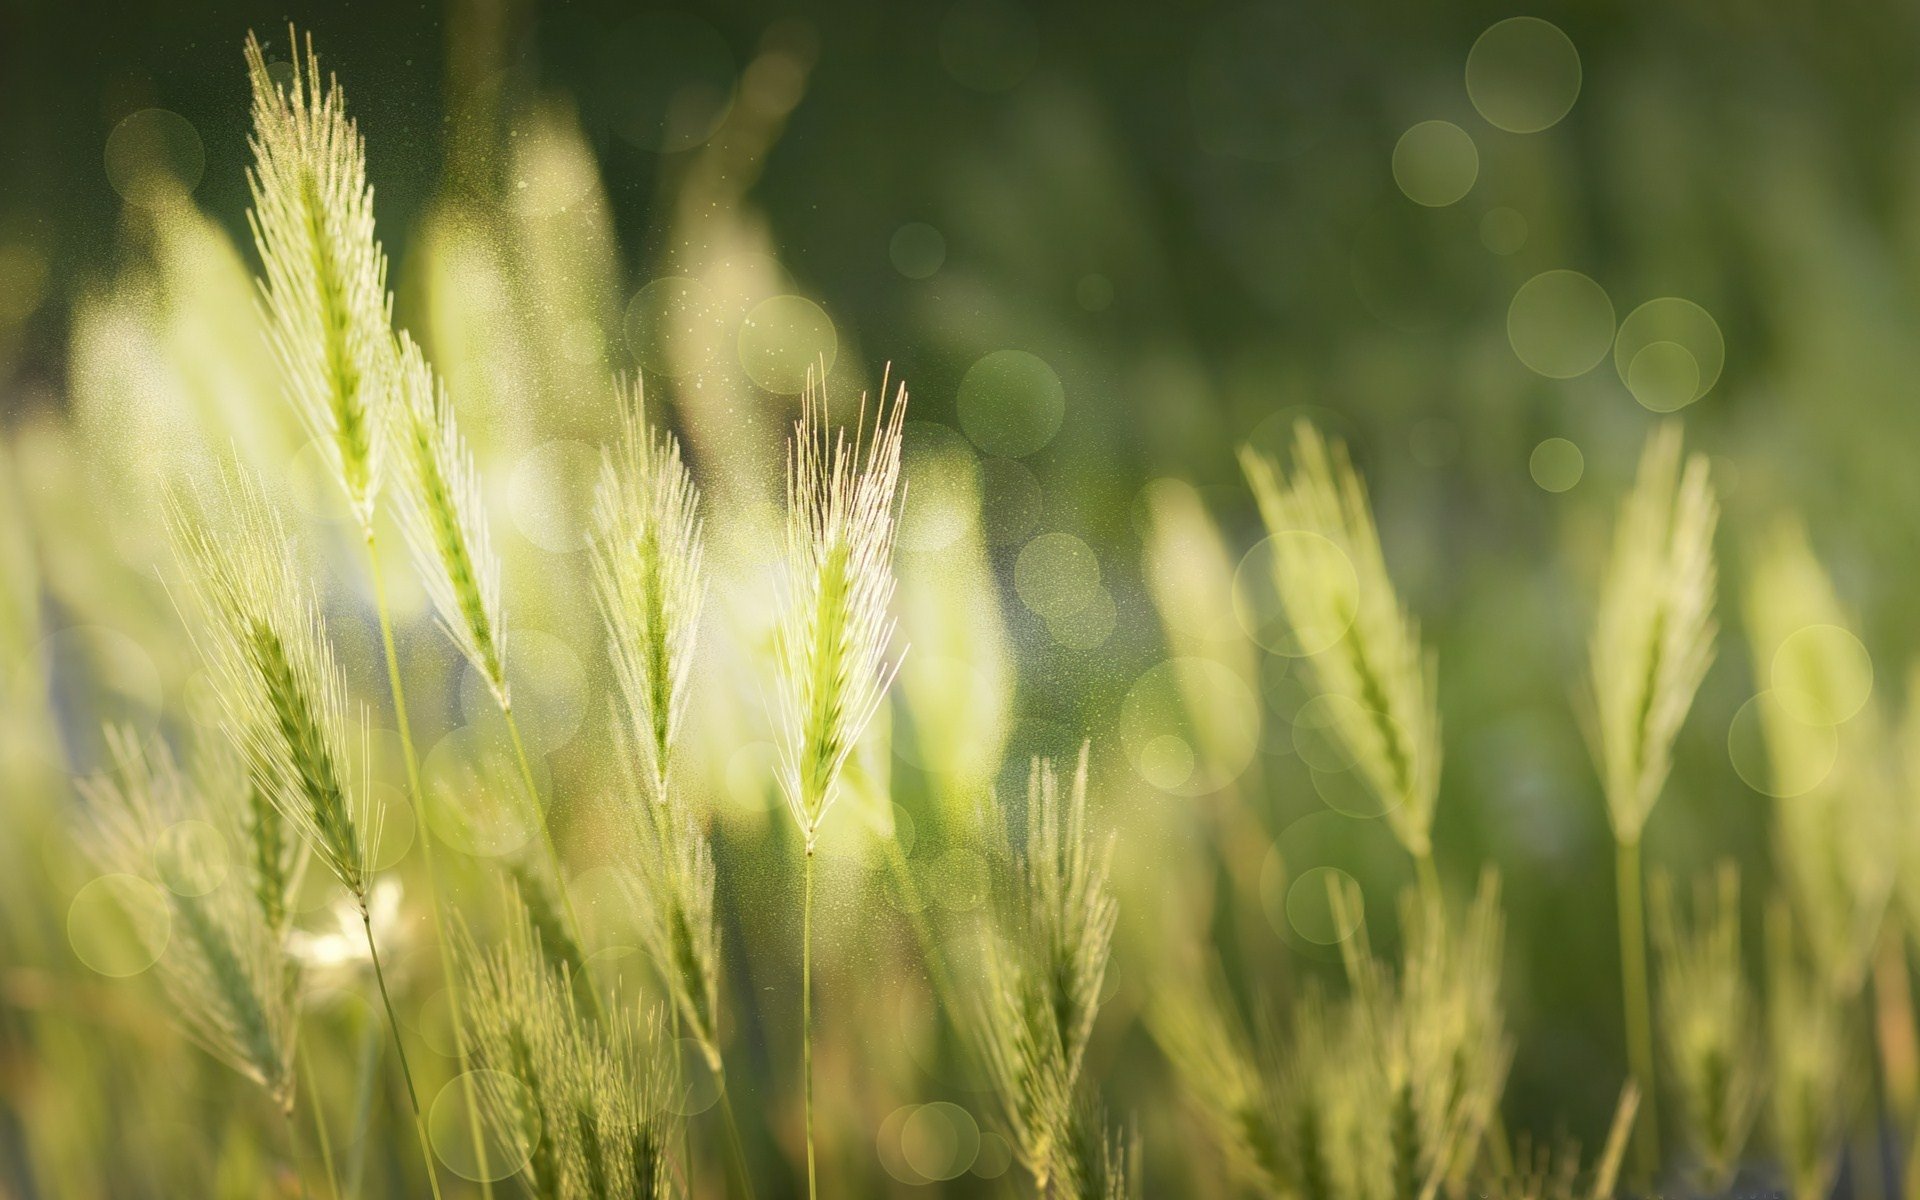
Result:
pixel 1429 877
pixel 736 1149
pixel 293 1150
pixel 806 1012
pixel 418 798
pixel 319 1122
pixel 400 1049
pixel 1636 1004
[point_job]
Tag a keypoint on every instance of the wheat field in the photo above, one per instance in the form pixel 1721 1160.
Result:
pixel 481 720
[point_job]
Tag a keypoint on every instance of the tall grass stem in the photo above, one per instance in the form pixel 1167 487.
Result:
pixel 400 1049
pixel 319 1123
pixel 806 1011
pixel 1635 1001
pixel 418 796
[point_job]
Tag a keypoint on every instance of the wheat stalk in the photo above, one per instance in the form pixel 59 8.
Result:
pixel 832 642
pixel 1045 955
pixel 1653 641
pixel 330 324
pixel 1192 1020
pixel 1809 1061
pixel 647 558
pixel 328 311
pixel 226 970
pixel 282 696
pixel 1837 844
pixel 835 630
pixel 444 518
pixel 285 701
pixel 1709 1021
pixel 591 1101
pixel 1362 644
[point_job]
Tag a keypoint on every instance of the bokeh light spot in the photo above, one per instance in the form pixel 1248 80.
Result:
pixel 1435 163
pixel 1166 762
pixel 782 339
pixel 1556 464
pixel 1821 675
pixel 1257 603
pixel 1648 353
pixel 153 152
pixel 1311 909
pixel 917 250
pixel 996 1155
pixel 1056 574
pixel 1523 74
pixel 450 1126
pixel 1011 403
pixel 1815 749
pixel 1560 324
pixel 1503 230
pixel 940 1140
pixel 119 925
pixel 1663 376
pixel 1093 292
pixel 1201 703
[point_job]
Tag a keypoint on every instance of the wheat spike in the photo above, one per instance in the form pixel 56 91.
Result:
pixel 835 631
pixel 1809 1063
pixel 590 1100
pixel 282 696
pixel 1046 955
pixel 444 518
pixel 1709 1022
pixel 1363 645
pixel 1220 1075
pixel 668 875
pixel 225 969
pixel 647 558
pixel 325 291
pixel 1653 640
pixel 1837 843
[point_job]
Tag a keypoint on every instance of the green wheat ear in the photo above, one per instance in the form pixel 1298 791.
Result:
pixel 831 645
pixel 1837 836
pixel 1810 1063
pixel 589 1101
pixel 647 558
pixel 1192 1019
pixel 1045 951
pixel 281 694
pixel 225 969
pixel 1710 1024
pixel 1362 645
pixel 325 293
pixel 1653 639
pixel 444 517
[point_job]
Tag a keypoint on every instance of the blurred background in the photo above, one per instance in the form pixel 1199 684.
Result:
pixel 1104 245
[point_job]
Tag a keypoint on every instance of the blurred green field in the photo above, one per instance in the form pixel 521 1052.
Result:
pixel 1105 248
